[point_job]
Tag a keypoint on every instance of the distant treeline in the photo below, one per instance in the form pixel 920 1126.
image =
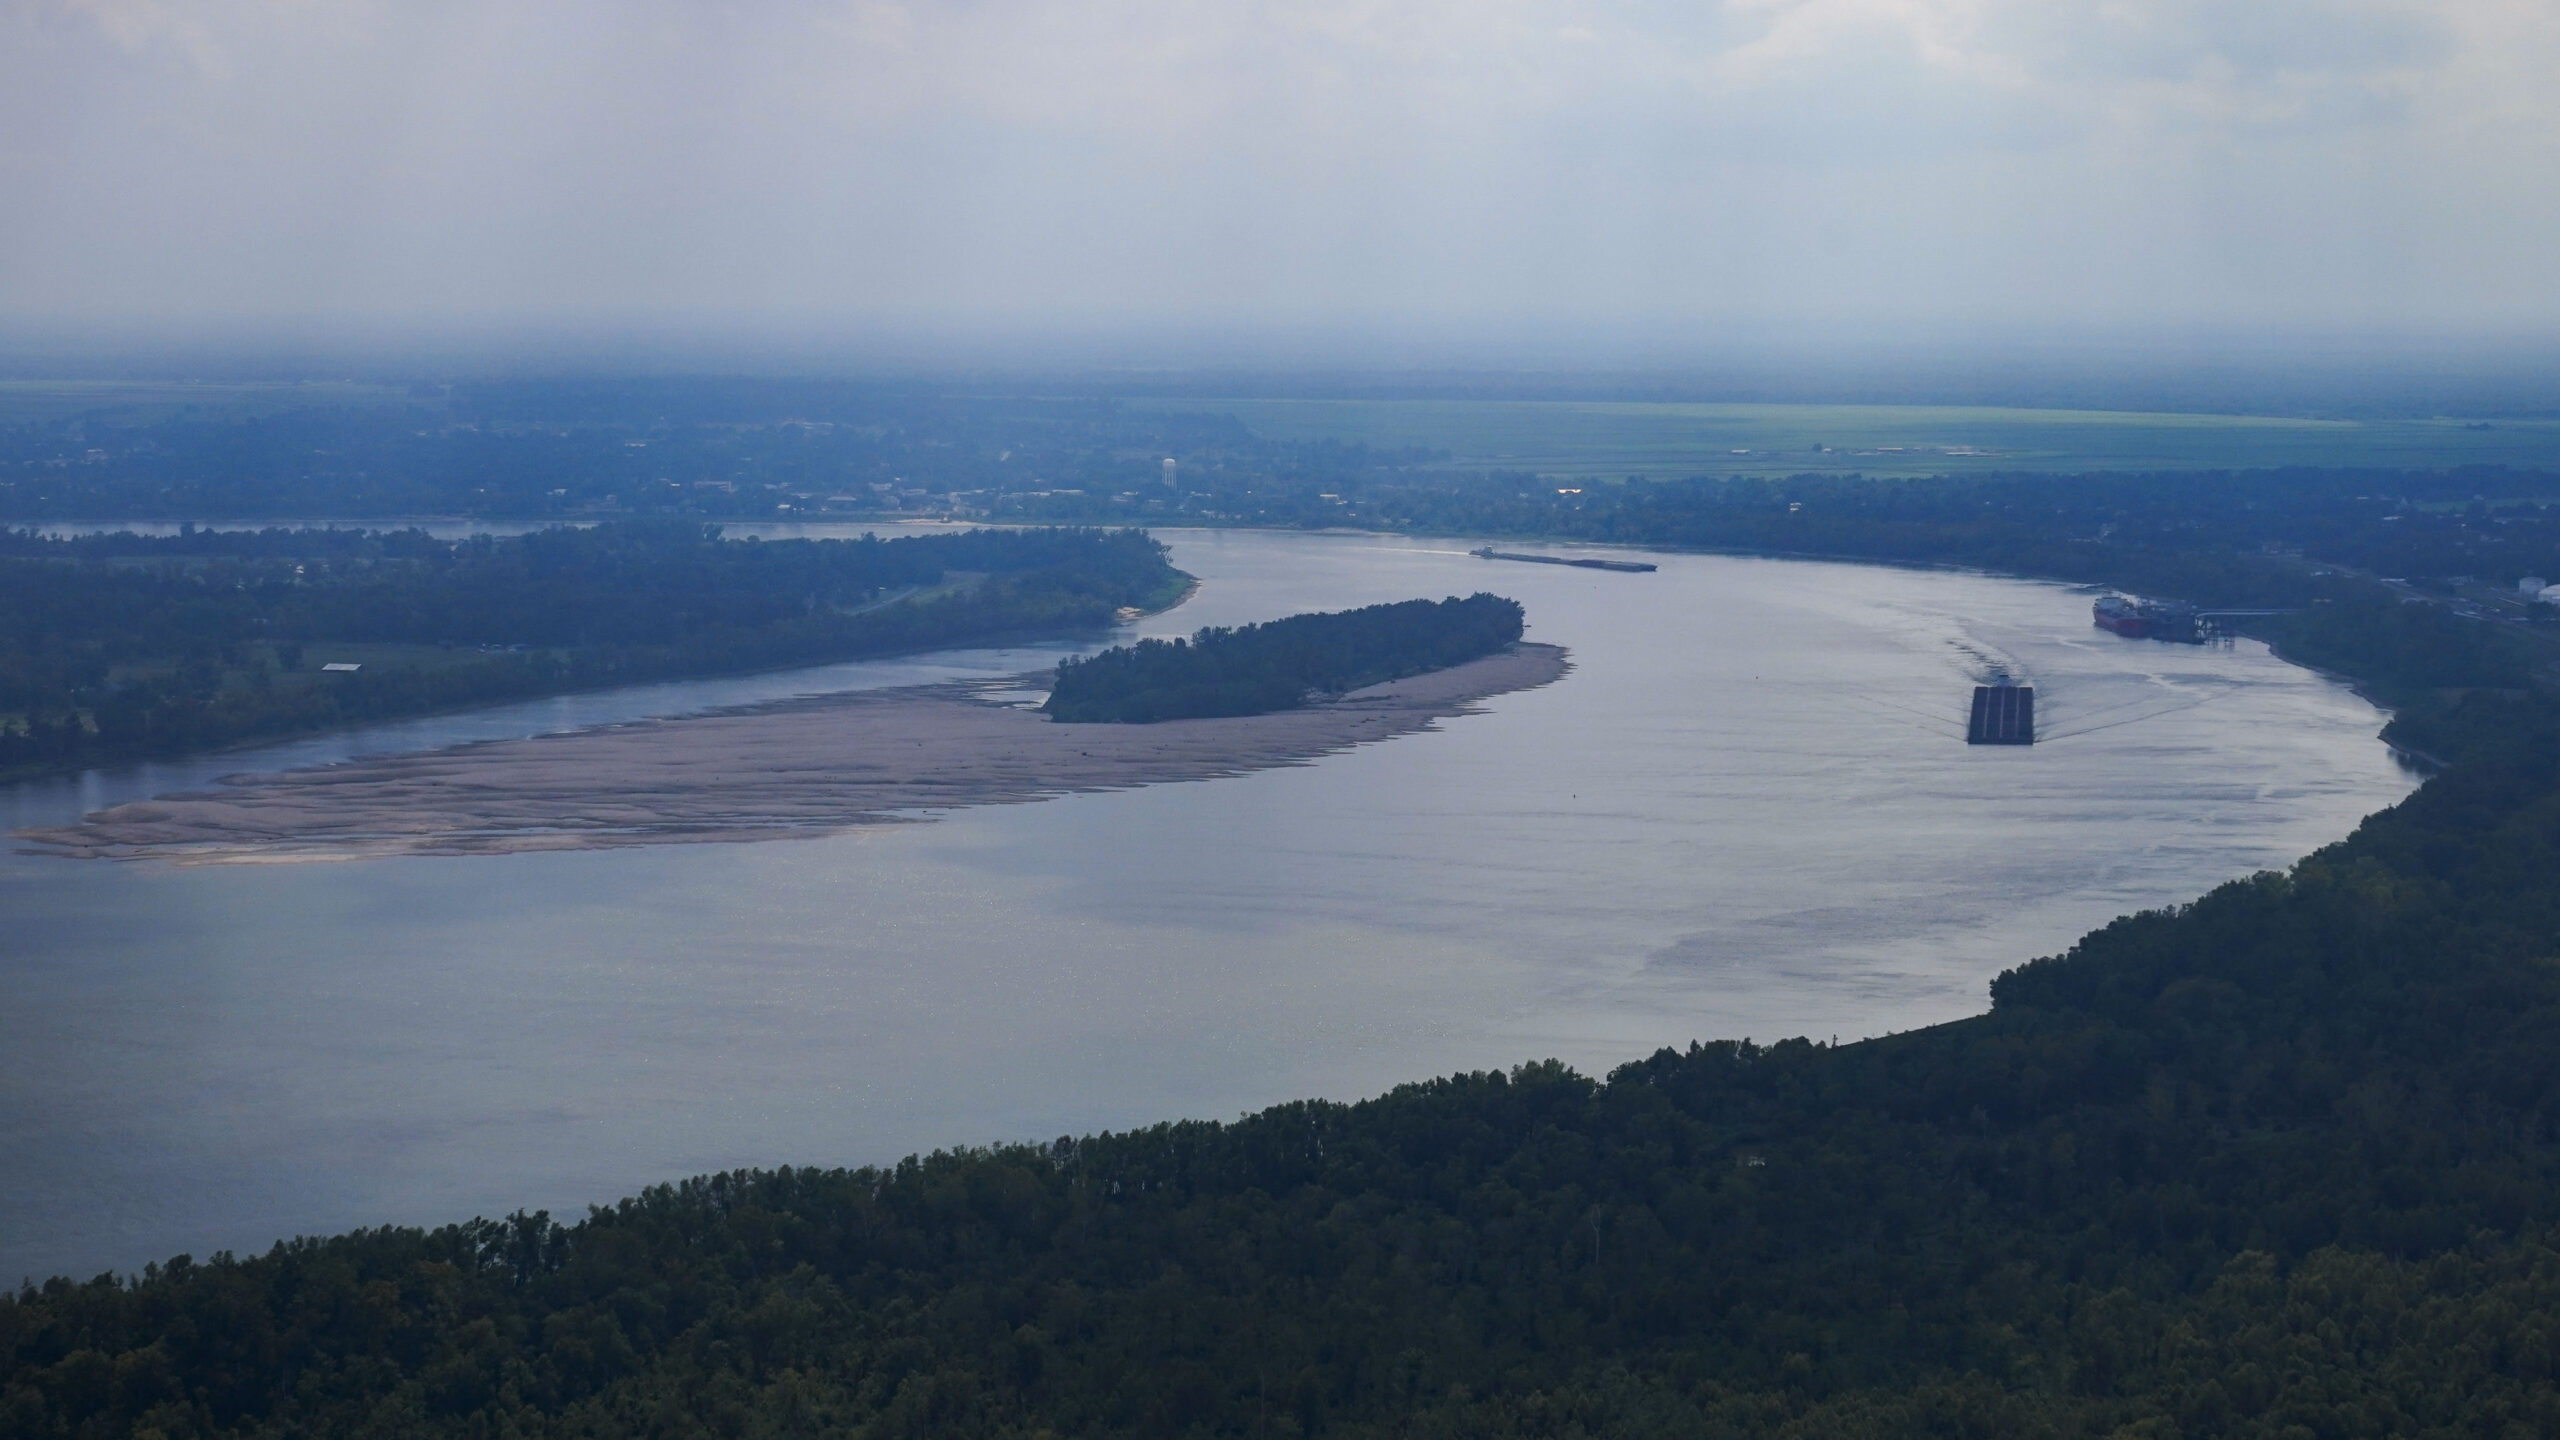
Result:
pixel 2283 1162
pixel 2197 533
pixel 2282 539
pixel 710 448
pixel 117 646
pixel 1253 669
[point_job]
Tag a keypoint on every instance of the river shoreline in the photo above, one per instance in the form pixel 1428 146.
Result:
pixel 793 769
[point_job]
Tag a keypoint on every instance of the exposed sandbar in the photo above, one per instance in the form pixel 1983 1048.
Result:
pixel 795 769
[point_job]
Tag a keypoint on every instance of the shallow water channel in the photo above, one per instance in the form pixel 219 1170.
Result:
pixel 1747 811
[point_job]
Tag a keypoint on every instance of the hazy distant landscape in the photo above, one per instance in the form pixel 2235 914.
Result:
pixel 1569 719
pixel 1605 440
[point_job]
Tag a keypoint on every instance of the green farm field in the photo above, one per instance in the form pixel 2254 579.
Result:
pixel 136 402
pixel 1610 440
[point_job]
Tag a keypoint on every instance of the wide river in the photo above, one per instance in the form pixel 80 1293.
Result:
pixel 1748 811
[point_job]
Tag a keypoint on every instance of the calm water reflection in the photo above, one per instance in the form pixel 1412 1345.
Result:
pixel 1747 812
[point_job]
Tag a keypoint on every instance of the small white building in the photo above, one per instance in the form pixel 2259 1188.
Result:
pixel 2531 586
pixel 2548 595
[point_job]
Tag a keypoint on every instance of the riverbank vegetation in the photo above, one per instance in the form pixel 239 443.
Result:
pixel 1277 664
pixel 120 646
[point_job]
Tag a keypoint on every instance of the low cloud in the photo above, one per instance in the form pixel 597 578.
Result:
pixel 2011 162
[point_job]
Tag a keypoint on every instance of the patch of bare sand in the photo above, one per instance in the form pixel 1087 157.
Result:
pixel 796 769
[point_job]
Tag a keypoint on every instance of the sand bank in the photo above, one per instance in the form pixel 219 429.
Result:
pixel 799 768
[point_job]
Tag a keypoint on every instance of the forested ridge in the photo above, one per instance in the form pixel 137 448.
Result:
pixel 118 646
pixel 1276 664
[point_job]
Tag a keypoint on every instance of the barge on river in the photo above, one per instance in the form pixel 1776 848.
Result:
pixel 2003 714
pixel 1632 567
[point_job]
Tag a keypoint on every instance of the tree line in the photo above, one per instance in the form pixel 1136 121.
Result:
pixel 531 450
pixel 713 448
pixel 118 646
pixel 1277 664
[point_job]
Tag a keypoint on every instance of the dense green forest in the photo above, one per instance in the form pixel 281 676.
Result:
pixel 117 646
pixel 1254 669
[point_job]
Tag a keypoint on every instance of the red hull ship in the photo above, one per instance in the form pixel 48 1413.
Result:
pixel 2143 619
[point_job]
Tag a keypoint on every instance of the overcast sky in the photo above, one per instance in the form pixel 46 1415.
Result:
pixel 1492 166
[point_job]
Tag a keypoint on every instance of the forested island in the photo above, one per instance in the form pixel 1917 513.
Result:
pixel 119 646
pixel 1278 664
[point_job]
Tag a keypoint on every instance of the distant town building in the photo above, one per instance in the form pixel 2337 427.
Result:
pixel 339 667
pixel 2532 586
pixel 2547 595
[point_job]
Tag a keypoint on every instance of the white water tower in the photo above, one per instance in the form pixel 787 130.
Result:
pixel 1168 473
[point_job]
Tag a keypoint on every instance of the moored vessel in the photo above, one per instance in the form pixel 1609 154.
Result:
pixel 2114 612
pixel 2148 619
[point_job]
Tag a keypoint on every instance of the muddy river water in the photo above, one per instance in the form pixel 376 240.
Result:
pixel 1747 810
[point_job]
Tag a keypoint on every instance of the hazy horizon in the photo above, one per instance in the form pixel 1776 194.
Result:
pixel 2346 377
pixel 1560 183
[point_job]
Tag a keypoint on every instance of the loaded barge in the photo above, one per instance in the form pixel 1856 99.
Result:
pixel 1632 567
pixel 2003 714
